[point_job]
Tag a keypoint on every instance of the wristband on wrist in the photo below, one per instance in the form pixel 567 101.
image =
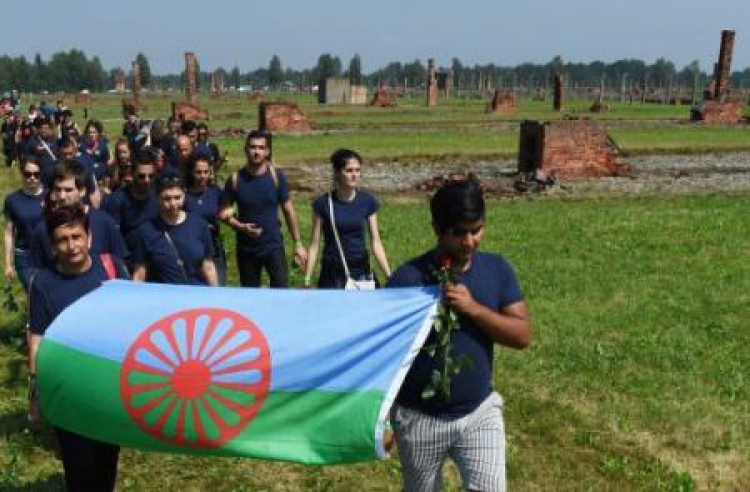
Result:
pixel 298 243
pixel 307 280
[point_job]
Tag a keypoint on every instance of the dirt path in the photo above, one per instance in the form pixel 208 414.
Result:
pixel 655 174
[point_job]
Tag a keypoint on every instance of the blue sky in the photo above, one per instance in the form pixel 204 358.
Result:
pixel 247 33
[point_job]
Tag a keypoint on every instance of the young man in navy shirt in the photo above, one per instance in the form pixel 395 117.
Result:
pixel 69 188
pixel 468 424
pixel 88 464
pixel 259 190
pixel 135 204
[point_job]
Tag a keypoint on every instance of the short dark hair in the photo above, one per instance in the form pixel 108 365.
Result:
pixel 168 180
pixel 96 124
pixel 70 169
pixel 455 202
pixel 342 156
pixel 66 215
pixel 146 155
pixel 187 126
pixel 257 134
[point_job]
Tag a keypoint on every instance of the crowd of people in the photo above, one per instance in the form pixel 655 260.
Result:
pixel 150 210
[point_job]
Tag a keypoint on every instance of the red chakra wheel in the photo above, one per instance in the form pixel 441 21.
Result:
pixel 197 377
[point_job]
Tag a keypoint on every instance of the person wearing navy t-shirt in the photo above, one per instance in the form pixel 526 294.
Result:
pixel 88 464
pixel 353 211
pixel 96 147
pixel 204 199
pixel 259 189
pixel 23 211
pixel 69 152
pixel 175 247
pixel 468 424
pixel 135 204
pixel 69 188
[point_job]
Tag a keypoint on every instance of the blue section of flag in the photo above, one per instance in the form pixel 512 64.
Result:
pixel 318 339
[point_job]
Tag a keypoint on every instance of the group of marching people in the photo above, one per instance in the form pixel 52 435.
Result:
pixel 151 211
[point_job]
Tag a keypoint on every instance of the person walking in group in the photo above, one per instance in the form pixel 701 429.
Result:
pixel 465 424
pixel 259 190
pixel 175 247
pixel 204 198
pixel 23 212
pixel 342 215
pixel 88 464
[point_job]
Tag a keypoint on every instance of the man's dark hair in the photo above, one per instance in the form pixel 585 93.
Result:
pixel 70 169
pixel 455 202
pixel 342 156
pixel 187 127
pixel 41 120
pixel 66 215
pixel 202 126
pixel 146 155
pixel 168 180
pixel 256 134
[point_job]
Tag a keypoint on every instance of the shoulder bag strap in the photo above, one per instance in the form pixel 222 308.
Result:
pixel 109 265
pixel 180 263
pixel 336 234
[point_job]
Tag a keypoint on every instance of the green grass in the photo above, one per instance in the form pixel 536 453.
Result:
pixel 454 130
pixel 636 378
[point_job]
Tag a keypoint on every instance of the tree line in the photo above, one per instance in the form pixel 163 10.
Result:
pixel 73 71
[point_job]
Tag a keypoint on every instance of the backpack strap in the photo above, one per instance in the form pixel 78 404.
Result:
pixel 109 265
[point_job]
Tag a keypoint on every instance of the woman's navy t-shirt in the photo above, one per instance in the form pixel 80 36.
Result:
pixel 351 219
pixel 492 283
pixel 25 212
pixel 206 203
pixel 192 241
pixel 52 291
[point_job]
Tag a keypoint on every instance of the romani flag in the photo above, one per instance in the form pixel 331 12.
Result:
pixel 294 375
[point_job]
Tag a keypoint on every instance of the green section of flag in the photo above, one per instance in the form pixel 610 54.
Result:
pixel 81 392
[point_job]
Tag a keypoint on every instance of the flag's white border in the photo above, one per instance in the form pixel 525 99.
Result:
pixel 398 379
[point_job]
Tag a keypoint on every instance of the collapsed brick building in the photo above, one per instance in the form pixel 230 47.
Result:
pixel 503 101
pixel 568 150
pixel 718 105
pixel 282 117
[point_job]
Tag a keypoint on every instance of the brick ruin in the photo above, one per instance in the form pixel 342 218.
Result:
pixel 119 80
pixel 568 150
pixel 432 85
pixel 218 83
pixel 559 94
pixel 718 106
pixel 383 98
pixel 503 101
pixel 282 117
pixel 190 109
pixel 135 103
pixel 445 83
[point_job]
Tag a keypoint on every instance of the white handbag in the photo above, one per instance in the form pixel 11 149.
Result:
pixel 351 284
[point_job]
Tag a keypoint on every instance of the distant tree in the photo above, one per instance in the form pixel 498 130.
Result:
pixel 275 72
pixel 415 73
pixel 328 66
pixel 145 68
pixel 235 79
pixel 355 70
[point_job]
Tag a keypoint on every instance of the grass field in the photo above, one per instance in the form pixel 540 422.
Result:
pixel 637 378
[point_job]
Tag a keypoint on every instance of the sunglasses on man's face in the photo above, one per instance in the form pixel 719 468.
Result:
pixel 144 176
pixel 32 174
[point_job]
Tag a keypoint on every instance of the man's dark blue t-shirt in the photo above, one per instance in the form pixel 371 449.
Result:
pixel 105 238
pixel 192 245
pixel 351 219
pixel 129 212
pixel 258 200
pixel 492 283
pixel 25 211
pixel 52 291
pixel 206 204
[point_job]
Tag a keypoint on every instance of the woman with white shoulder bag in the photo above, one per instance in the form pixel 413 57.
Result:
pixel 342 215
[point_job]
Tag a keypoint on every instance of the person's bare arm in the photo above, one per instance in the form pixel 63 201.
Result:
pixel 208 269
pixel 290 217
pixel 312 251
pixel 10 272
pixel 378 251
